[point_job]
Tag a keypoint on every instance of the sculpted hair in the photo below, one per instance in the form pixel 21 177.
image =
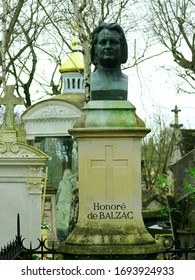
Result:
pixel 111 27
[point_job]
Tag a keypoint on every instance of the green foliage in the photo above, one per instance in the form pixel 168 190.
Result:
pixel 154 150
pixel 187 205
pixel 163 187
pixel 35 257
pixel 184 208
pixel 163 184
pixel 189 187
pixel 163 213
pixel 45 225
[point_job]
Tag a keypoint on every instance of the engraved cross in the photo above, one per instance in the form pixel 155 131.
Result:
pixel 109 163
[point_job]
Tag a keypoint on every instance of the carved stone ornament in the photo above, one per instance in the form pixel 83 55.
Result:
pixel 35 186
pixel 19 150
pixel 51 109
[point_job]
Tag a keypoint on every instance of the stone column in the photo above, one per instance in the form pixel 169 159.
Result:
pixel 34 184
pixel 110 203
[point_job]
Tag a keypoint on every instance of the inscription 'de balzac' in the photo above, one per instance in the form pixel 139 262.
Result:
pixel 109 211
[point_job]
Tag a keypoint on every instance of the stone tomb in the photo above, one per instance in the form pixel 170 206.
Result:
pixel 47 124
pixel 50 118
pixel 110 220
pixel 21 183
pixel 21 180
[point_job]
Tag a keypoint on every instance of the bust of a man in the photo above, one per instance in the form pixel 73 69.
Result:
pixel 109 50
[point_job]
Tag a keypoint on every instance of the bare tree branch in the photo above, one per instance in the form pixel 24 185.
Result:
pixel 173 24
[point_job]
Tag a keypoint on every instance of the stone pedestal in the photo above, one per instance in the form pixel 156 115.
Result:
pixel 110 220
pixel 9 135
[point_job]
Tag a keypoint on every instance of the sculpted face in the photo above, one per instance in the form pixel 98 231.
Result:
pixel 108 48
pixel 108 51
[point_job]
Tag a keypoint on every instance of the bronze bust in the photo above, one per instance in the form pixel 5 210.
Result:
pixel 109 50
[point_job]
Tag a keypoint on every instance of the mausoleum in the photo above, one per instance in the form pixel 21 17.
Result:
pixel 21 178
pixel 47 123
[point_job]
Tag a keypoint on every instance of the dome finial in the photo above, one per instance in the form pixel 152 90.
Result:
pixel 74 42
pixel 74 63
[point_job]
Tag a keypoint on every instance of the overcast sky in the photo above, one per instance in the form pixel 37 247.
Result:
pixel 156 89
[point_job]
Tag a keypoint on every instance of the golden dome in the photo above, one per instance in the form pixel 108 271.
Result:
pixel 74 63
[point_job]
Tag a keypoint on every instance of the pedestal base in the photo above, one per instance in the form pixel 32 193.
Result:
pixel 110 223
pixel 124 252
pixel 9 136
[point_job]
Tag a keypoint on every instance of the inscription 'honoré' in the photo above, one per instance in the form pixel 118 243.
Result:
pixel 98 206
pixel 109 211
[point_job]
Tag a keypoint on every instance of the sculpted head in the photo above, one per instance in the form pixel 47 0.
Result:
pixel 112 37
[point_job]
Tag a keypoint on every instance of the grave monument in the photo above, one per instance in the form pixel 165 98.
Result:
pixel 109 132
pixel 21 179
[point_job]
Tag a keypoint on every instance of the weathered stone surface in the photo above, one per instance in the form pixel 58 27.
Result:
pixel 110 219
pixel 21 183
pixel 108 114
pixel 50 118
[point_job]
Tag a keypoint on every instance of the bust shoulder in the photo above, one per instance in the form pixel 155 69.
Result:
pixel 107 87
